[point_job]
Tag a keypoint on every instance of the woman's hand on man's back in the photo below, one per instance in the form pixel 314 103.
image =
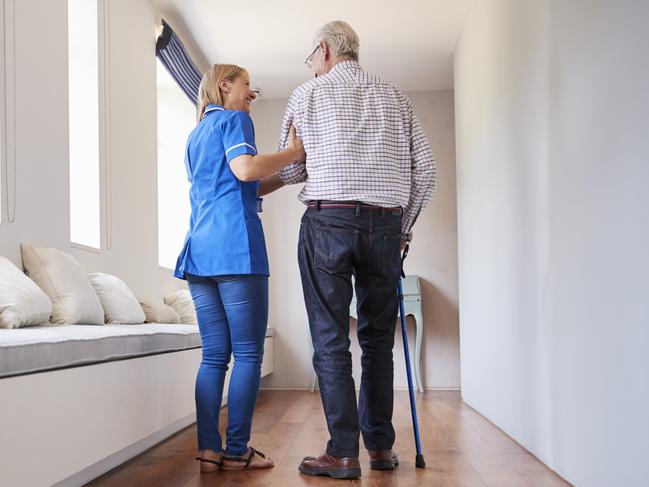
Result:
pixel 294 144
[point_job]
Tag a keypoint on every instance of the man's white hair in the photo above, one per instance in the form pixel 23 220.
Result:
pixel 341 39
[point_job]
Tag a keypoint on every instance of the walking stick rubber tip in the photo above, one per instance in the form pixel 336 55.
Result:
pixel 419 461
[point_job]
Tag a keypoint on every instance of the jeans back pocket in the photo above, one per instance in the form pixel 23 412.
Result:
pixel 334 248
pixel 392 254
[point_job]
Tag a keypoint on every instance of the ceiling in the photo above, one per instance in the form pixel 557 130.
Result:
pixel 409 42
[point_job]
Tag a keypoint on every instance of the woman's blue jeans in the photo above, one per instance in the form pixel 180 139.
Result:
pixel 232 313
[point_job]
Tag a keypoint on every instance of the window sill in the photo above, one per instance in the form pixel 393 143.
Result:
pixel 87 248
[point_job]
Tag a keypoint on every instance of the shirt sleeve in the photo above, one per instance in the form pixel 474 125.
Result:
pixel 423 172
pixel 295 172
pixel 238 136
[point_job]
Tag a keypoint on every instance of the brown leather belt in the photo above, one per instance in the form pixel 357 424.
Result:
pixel 351 204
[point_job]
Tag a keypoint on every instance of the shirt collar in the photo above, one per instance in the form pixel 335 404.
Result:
pixel 212 108
pixel 347 65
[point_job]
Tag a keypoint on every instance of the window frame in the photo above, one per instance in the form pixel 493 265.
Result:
pixel 3 115
pixel 7 113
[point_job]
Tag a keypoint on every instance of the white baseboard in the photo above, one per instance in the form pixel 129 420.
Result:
pixel 116 459
pixel 432 389
pixel 277 388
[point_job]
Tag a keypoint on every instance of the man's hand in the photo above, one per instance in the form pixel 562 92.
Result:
pixel 406 241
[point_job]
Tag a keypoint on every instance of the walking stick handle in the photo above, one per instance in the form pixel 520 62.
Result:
pixel 403 258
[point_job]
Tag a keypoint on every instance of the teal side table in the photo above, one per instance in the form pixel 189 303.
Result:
pixel 411 307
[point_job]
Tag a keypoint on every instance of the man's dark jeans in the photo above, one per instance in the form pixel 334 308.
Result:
pixel 334 244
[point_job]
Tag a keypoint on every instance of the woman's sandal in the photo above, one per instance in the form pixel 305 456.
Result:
pixel 244 462
pixel 208 465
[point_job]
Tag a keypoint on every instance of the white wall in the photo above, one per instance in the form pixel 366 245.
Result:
pixel 433 257
pixel 41 205
pixel 42 184
pixel 551 122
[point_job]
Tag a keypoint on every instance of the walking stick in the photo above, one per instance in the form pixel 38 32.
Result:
pixel 419 459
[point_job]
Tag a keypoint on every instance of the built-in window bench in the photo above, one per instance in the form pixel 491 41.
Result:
pixel 79 400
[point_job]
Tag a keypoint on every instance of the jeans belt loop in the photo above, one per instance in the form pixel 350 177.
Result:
pixel 358 209
pixel 382 212
pixel 317 205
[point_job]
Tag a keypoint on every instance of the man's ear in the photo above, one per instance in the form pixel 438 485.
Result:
pixel 326 53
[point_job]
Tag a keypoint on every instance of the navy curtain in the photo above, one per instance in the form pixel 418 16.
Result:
pixel 174 57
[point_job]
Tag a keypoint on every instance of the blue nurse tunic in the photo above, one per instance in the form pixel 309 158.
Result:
pixel 225 234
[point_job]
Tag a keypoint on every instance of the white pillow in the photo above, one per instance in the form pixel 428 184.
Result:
pixel 160 313
pixel 119 303
pixel 74 301
pixel 182 302
pixel 22 302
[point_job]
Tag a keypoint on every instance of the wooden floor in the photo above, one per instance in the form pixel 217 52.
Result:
pixel 461 448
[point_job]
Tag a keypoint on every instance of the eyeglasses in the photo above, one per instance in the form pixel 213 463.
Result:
pixel 308 61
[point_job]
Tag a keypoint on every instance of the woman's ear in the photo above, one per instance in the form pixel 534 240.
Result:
pixel 224 85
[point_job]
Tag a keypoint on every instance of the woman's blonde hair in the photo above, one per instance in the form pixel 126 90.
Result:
pixel 209 92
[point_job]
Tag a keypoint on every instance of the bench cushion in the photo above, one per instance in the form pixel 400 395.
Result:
pixel 34 349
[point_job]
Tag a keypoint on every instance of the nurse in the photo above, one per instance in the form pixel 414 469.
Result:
pixel 224 261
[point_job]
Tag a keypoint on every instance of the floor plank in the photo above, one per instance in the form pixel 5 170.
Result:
pixel 461 448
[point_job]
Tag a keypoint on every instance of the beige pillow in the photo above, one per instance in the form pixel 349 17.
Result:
pixel 160 313
pixel 74 301
pixel 119 303
pixel 22 302
pixel 182 303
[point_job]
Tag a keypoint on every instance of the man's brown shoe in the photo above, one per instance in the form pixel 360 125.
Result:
pixel 326 465
pixel 383 459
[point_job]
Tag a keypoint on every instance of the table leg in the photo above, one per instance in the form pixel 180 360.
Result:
pixel 419 327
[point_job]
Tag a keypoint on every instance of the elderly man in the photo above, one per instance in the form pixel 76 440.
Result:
pixel 369 172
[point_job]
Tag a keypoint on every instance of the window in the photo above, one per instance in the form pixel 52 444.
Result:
pixel 83 66
pixel 176 119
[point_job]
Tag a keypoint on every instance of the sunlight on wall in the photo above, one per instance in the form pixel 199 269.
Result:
pixel 176 119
